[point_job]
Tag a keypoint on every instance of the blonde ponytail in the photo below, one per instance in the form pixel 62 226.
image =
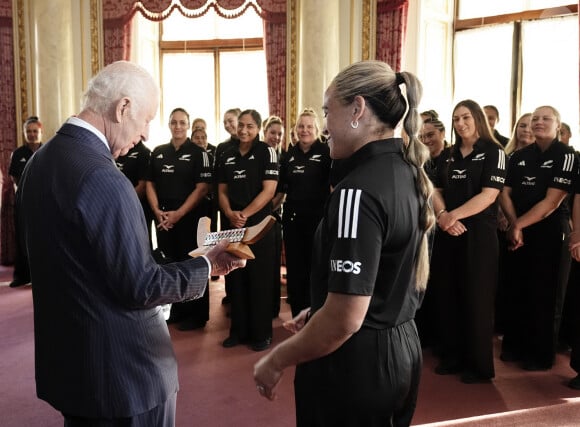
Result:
pixel 417 154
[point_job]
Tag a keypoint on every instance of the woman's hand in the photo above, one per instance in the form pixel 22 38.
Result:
pixel 445 220
pixel 576 253
pixel 448 223
pixel 298 322
pixel 237 219
pixel 162 222
pixel 267 376
pixel 515 238
pixel 172 218
pixel 457 229
pixel 502 222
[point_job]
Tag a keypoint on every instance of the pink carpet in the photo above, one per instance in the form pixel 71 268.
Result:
pixel 217 388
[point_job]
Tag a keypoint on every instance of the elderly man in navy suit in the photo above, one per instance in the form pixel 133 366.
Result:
pixel 103 351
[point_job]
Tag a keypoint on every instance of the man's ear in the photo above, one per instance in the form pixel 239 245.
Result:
pixel 122 109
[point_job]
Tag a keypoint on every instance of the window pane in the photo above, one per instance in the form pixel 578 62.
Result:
pixel 550 61
pixel 188 82
pixel 243 83
pixel 473 9
pixel 212 26
pixel 436 70
pixel 483 61
pixel 145 52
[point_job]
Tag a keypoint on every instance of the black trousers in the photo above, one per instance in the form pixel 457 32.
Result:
pixel 160 416
pixel 572 315
pixel 149 219
pixel 425 318
pixel 538 276
pixel 464 271
pixel 501 305
pixel 251 293
pixel 225 225
pixel 176 243
pixel 371 380
pixel 276 283
pixel 299 232
pixel 21 271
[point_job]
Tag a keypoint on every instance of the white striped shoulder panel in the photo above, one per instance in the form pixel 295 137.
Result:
pixel 568 162
pixel 348 213
pixel 273 155
pixel 206 163
pixel 501 160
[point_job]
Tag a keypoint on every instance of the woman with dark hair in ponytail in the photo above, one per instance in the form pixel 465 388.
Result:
pixel 247 174
pixel 465 253
pixel 356 348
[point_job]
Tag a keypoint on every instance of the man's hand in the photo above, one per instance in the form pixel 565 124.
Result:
pixel 223 262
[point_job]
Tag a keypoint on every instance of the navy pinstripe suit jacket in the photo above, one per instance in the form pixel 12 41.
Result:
pixel 102 346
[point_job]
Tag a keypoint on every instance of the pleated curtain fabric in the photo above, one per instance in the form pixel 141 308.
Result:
pixel 8 132
pixel 391 31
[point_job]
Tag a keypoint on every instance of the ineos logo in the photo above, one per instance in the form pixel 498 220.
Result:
pixel 345 266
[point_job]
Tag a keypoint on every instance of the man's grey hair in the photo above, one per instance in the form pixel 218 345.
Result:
pixel 116 81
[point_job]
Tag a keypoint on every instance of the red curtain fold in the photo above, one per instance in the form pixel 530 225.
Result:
pixel 117 40
pixel 390 5
pixel 118 14
pixel 8 135
pixel 275 48
pixel 391 31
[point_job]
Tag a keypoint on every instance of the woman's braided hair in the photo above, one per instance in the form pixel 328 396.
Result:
pixel 380 86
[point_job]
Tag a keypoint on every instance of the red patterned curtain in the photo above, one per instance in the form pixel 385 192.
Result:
pixel 8 129
pixel 117 16
pixel 391 31
pixel 274 15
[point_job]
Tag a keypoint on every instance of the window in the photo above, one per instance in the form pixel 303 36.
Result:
pixel 206 65
pixel 434 66
pixel 483 66
pixel 518 55
pixel 551 51
pixel 475 9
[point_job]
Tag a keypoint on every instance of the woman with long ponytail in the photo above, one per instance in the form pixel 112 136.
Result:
pixel 356 348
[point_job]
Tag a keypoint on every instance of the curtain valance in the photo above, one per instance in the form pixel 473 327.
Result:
pixel 158 10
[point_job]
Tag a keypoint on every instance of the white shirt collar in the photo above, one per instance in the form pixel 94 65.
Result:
pixel 81 123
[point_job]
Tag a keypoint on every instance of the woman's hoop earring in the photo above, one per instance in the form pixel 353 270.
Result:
pixel 354 124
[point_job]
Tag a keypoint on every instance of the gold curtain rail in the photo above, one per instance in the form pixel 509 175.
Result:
pixel 465 24
pixel 210 45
